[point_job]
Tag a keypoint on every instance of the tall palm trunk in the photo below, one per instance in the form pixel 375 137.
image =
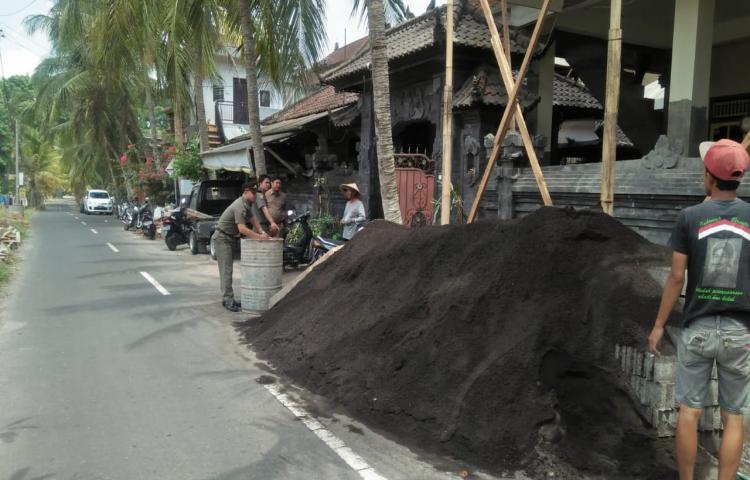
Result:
pixel 179 130
pixel 200 109
pixel 151 112
pixel 382 108
pixel 251 72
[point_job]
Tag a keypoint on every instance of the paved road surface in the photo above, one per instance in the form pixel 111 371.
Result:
pixel 103 377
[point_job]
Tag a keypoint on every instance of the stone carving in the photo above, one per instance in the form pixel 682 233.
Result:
pixel 666 154
pixel 507 174
pixel 413 104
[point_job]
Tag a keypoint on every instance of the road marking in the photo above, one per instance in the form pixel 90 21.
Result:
pixel 83 223
pixel 76 218
pixel 113 248
pixel 357 463
pixel 94 232
pixel 156 284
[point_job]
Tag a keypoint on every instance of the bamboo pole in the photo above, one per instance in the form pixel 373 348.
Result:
pixel 445 204
pixel 511 109
pixel 609 147
pixel 506 41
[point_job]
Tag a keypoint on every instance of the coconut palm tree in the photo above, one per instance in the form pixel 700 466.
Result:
pixel 280 38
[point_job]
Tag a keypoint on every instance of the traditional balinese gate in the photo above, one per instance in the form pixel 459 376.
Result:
pixel 415 173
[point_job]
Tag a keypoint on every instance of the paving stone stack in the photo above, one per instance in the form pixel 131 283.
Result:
pixel 650 382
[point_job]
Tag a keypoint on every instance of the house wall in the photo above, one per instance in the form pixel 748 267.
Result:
pixel 730 70
pixel 229 69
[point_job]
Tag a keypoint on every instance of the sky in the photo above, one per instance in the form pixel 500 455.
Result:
pixel 21 53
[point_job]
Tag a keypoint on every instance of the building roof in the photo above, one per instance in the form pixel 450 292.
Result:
pixel 347 52
pixel 485 87
pixel 426 31
pixel 324 99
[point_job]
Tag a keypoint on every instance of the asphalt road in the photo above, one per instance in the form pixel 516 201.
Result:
pixel 104 377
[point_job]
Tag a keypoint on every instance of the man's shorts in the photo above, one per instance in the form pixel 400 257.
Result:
pixel 726 342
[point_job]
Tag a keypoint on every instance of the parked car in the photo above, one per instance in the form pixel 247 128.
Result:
pixel 96 201
pixel 210 198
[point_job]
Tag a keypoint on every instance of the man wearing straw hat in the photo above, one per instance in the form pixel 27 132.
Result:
pixel 354 213
pixel 232 225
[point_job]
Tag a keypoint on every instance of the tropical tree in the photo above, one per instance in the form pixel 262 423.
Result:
pixel 283 38
pixel 376 19
pixel 41 165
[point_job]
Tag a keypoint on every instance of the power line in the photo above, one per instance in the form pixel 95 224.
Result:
pixel 18 11
pixel 20 44
pixel 22 37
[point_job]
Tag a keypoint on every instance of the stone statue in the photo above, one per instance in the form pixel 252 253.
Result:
pixel 666 154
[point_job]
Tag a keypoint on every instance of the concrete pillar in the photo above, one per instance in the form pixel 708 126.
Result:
pixel 546 67
pixel 690 77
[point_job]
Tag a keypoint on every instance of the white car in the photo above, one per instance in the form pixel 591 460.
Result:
pixel 96 201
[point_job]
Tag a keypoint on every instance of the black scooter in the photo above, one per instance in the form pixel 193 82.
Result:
pixel 309 247
pixel 174 229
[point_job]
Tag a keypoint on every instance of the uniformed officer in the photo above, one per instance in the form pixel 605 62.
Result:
pixel 232 225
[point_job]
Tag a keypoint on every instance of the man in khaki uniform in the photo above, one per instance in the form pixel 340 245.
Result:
pixel 276 202
pixel 261 207
pixel 232 225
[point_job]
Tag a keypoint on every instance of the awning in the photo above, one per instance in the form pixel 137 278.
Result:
pixel 235 157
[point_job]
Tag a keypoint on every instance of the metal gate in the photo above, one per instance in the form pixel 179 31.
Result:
pixel 416 188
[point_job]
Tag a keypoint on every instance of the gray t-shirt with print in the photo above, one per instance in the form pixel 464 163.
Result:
pixel 715 235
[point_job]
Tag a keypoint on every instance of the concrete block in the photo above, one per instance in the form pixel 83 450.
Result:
pixel 617 351
pixel 664 421
pixel 660 395
pixel 711 419
pixel 638 366
pixel 712 398
pixel 648 366
pixel 665 369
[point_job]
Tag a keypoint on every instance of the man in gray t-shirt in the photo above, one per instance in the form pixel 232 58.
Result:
pixel 711 241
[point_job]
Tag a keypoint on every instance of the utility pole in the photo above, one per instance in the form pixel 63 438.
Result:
pixel 17 198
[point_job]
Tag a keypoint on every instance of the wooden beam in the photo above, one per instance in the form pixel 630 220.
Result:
pixel 445 203
pixel 281 160
pixel 506 41
pixel 512 108
pixel 609 143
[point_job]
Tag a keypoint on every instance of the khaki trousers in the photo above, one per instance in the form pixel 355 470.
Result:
pixel 226 249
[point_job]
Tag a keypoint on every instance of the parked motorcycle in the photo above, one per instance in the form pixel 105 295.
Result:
pixel 129 215
pixel 145 221
pixel 309 247
pixel 175 228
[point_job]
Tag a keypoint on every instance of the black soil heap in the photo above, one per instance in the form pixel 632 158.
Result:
pixel 470 340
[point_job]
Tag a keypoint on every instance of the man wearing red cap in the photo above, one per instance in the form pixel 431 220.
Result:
pixel 712 242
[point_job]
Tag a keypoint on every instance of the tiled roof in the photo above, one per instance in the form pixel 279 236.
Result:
pixel 426 31
pixel 485 86
pixel 347 52
pixel 570 93
pixel 325 99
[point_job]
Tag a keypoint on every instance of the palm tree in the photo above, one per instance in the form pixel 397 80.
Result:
pixel 376 17
pixel 283 37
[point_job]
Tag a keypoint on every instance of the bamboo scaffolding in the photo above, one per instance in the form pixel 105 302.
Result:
pixel 609 143
pixel 445 203
pixel 512 109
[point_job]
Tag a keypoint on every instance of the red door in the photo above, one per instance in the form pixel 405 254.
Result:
pixel 416 191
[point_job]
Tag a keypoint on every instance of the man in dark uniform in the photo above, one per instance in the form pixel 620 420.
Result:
pixel 232 225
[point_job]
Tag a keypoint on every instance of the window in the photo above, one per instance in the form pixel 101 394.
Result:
pixel 265 98
pixel 218 92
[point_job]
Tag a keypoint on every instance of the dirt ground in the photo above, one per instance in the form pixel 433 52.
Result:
pixel 491 343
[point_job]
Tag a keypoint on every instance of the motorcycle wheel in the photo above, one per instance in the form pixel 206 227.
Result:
pixel 316 254
pixel 171 241
pixel 151 232
pixel 126 226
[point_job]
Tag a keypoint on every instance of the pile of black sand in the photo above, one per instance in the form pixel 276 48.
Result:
pixel 472 340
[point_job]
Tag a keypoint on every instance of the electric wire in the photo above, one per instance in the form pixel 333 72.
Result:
pixel 18 11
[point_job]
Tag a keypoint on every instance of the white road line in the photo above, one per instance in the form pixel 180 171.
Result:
pixel 76 218
pixel 94 232
pixel 113 248
pixel 357 463
pixel 156 284
pixel 83 223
